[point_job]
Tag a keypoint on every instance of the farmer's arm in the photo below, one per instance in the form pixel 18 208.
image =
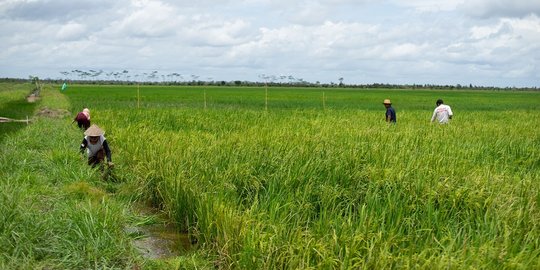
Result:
pixel 84 143
pixel 434 115
pixel 107 150
pixel 450 113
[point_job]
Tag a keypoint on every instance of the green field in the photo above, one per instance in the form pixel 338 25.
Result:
pixel 281 179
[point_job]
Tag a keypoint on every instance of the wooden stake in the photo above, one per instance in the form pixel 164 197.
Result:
pixel 323 101
pixel 265 96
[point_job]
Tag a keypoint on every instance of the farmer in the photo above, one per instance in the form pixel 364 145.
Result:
pixel 83 119
pixel 96 146
pixel 390 112
pixel 443 113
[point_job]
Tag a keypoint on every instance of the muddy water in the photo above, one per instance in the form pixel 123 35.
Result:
pixel 160 240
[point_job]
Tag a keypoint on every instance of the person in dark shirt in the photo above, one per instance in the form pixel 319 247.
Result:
pixel 83 119
pixel 96 146
pixel 390 112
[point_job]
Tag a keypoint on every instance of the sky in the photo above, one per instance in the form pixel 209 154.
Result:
pixel 450 42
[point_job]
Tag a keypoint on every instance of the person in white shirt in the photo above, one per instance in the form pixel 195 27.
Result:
pixel 443 113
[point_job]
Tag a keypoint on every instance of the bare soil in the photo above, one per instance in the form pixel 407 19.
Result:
pixel 55 113
pixel 32 98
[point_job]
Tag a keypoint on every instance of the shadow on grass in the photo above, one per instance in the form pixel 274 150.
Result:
pixel 16 109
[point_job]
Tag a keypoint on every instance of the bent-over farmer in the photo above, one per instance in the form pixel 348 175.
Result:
pixel 83 119
pixel 96 146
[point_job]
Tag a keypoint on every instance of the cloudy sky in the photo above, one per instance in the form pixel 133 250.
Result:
pixel 479 42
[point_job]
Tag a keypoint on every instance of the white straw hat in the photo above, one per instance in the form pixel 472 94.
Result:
pixel 94 130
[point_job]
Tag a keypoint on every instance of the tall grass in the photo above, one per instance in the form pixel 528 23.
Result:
pixel 13 105
pixel 302 187
pixel 54 210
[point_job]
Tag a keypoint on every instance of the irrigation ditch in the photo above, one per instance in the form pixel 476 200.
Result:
pixel 156 237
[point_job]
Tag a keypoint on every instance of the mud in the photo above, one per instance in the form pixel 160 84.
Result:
pixel 58 113
pixel 160 240
pixel 32 98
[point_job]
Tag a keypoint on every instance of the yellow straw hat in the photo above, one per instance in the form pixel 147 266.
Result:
pixel 387 101
pixel 94 130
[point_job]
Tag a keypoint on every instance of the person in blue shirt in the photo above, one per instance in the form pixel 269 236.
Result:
pixel 390 112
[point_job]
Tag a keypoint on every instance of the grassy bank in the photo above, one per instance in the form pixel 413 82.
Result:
pixel 13 105
pixel 55 213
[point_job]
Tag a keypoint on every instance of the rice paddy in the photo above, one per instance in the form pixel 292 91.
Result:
pixel 303 178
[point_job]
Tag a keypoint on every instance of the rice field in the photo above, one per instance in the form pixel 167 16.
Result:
pixel 295 181
pixel 294 178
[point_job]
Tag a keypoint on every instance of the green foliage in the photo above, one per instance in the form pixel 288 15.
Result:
pixel 14 105
pixel 168 97
pixel 301 187
pixel 49 219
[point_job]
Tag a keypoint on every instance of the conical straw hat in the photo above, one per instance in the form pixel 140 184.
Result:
pixel 94 130
pixel 387 101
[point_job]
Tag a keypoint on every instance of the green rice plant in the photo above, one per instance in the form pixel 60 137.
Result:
pixel 301 187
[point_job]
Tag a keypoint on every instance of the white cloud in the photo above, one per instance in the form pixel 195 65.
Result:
pixel 207 31
pixel 430 5
pixel 53 10
pixel 363 41
pixel 71 31
pixel 501 8
pixel 405 51
pixel 147 19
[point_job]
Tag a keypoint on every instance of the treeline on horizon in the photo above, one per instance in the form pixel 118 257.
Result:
pixel 298 83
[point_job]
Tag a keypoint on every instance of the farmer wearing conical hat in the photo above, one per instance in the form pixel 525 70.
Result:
pixel 83 119
pixel 390 112
pixel 96 146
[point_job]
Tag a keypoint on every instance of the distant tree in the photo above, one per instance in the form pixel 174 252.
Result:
pixel 178 76
pixel 291 78
pixel 124 73
pixel 65 73
pixel 153 75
